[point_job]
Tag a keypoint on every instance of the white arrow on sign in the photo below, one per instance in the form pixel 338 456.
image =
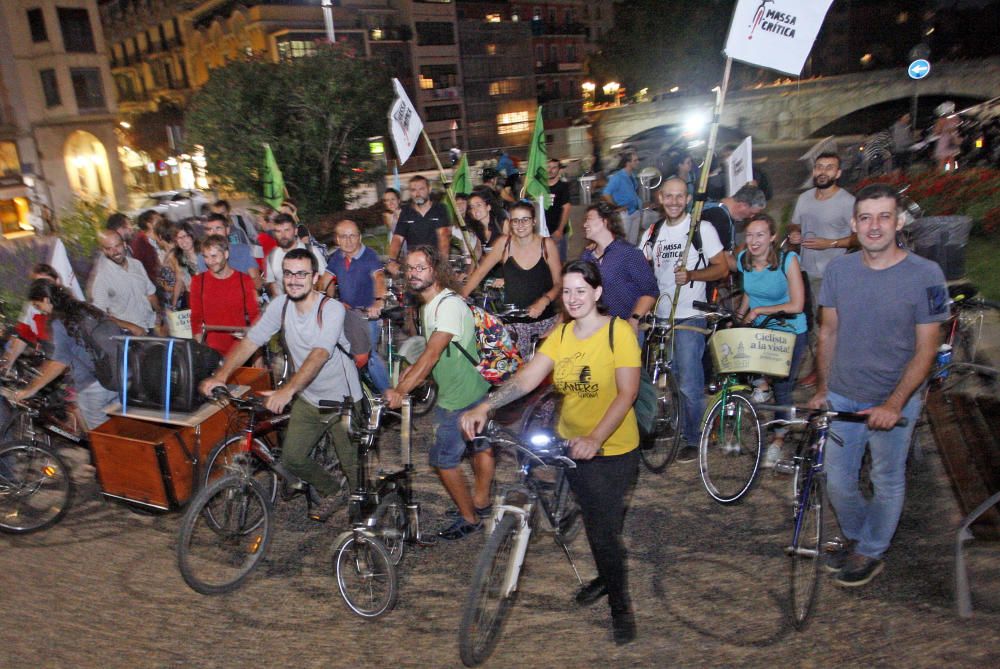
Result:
pixel 919 69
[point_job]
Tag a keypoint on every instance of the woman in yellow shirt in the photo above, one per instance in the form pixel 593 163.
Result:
pixel 599 386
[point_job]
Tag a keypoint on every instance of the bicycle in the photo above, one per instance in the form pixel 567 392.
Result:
pixel 731 444
pixel 226 529
pixel 658 451
pixel 424 396
pixel 384 518
pixel 516 510
pixel 36 485
pixel 964 327
pixel 808 486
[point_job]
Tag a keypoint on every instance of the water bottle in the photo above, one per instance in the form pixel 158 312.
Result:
pixel 942 361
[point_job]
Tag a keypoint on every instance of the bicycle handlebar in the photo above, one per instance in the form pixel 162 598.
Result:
pixel 552 452
pixel 811 414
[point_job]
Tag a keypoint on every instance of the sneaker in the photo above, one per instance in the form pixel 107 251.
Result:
pixel 687 453
pixel 808 381
pixel 858 570
pixel 623 628
pixel 731 448
pixel 591 592
pixel 326 508
pixel 484 512
pixel 460 529
pixel 761 395
pixel 836 554
pixel 771 456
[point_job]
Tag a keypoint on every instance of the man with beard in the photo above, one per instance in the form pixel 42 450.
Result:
pixel 240 255
pixel 283 229
pixel 447 321
pixel 664 245
pixel 882 313
pixel 120 288
pixel 221 297
pixel 313 328
pixel 420 222
pixel 824 216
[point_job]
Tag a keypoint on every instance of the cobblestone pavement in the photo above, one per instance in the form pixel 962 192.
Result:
pixel 101 589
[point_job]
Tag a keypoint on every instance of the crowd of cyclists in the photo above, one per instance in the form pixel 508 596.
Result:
pixel 233 277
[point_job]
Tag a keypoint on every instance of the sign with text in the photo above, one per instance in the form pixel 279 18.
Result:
pixel 739 167
pixel 404 123
pixel 777 34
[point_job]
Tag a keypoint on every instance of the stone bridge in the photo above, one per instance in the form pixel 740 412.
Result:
pixel 794 111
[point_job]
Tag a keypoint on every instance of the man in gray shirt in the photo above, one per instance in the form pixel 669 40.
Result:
pixel 824 215
pixel 313 327
pixel 121 288
pixel 882 313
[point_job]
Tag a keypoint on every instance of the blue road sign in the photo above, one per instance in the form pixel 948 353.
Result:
pixel 919 69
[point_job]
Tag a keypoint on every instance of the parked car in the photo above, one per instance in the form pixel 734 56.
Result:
pixel 175 205
pixel 654 145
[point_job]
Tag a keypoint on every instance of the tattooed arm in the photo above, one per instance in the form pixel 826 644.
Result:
pixel 527 379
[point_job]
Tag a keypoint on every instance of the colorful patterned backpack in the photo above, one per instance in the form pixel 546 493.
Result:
pixel 498 356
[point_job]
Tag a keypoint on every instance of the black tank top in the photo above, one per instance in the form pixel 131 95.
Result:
pixel 523 286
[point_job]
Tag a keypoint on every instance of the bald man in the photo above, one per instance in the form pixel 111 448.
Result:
pixel 120 287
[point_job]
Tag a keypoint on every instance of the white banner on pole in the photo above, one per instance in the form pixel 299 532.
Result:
pixel 404 123
pixel 777 34
pixel 739 166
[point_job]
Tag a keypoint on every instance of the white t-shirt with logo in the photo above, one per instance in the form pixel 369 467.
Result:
pixel 665 253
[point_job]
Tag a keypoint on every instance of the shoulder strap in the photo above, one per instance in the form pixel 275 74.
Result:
pixel 545 251
pixel 611 334
pixel 243 296
pixel 562 333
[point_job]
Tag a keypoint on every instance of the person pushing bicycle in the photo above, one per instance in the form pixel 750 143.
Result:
pixel 312 327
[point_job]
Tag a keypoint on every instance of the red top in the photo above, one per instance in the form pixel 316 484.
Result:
pixel 228 302
pixel 267 244
pixel 143 251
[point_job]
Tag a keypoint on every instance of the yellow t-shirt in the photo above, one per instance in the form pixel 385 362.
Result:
pixel 585 375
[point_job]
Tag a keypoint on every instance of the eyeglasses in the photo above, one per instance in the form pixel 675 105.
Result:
pixel 288 274
pixel 522 221
pixel 417 268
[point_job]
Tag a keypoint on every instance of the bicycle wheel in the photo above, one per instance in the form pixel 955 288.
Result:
pixel 229 457
pixel 390 525
pixel 487 604
pixel 659 449
pixel 805 549
pixel 224 535
pixel 35 487
pixel 423 398
pixel 730 448
pixel 366 577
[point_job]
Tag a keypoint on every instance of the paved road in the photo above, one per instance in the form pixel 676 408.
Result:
pixel 102 590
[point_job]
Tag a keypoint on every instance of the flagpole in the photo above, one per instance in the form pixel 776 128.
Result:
pixel 706 167
pixel 451 199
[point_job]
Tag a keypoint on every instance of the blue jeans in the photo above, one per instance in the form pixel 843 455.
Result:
pixel 449 441
pixel 688 349
pixel 869 522
pixel 376 365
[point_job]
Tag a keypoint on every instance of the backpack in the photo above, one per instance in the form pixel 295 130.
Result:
pixel 498 356
pixel 355 330
pixel 645 401
pixel 695 242
pixel 97 334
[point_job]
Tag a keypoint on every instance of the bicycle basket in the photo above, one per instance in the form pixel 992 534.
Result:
pixel 753 351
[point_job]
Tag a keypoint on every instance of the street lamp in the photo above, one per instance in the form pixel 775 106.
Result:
pixel 588 91
pixel 328 20
pixel 611 89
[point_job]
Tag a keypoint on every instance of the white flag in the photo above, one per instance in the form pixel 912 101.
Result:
pixel 404 123
pixel 777 34
pixel 739 167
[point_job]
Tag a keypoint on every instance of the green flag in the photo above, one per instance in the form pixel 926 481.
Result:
pixel 536 179
pixel 271 179
pixel 460 181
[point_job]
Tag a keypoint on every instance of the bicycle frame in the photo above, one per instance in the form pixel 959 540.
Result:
pixel 810 457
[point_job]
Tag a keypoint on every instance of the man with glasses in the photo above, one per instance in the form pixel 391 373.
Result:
pixel 313 328
pixel 355 270
pixel 447 320
pixel 283 229
pixel 240 255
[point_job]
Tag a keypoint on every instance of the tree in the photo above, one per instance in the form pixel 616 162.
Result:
pixel 315 112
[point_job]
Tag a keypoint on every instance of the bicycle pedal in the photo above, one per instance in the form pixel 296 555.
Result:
pixel 784 467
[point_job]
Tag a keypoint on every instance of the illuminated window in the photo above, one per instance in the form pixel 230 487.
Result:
pixel 493 18
pixel 512 122
pixel 290 49
pixel 426 83
pixel 10 165
pixel 377 34
pixel 491 49
pixel 503 87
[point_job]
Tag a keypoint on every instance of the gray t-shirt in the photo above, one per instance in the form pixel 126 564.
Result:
pixel 303 333
pixel 877 315
pixel 828 219
pixel 123 292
